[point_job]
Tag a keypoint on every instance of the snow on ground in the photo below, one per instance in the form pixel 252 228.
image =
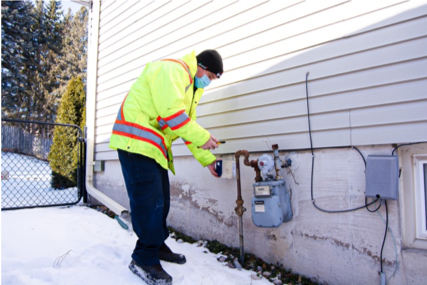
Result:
pixel 28 183
pixel 79 245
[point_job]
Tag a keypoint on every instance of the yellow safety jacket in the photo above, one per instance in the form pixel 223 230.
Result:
pixel 159 108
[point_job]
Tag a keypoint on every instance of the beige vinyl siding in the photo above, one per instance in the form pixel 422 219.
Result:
pixel 367 64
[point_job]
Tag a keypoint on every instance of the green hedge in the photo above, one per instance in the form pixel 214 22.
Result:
pixel 63 156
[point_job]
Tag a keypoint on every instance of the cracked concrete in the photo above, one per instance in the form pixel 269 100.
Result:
pixel 331 248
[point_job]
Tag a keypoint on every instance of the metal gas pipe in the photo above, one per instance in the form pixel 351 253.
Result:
pixel 239 208
pixel 277 161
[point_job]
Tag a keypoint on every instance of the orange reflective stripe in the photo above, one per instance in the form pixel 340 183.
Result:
pixel 174 115
pixel 142 128
pixel 185 67
pixel 186 142
pixel 122 114
pixel 162 123
pixel 125 134
pixel 175 121
pixel 139 132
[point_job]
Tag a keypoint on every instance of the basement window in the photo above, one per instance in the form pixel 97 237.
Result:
pixel 420 171
pixel 413 195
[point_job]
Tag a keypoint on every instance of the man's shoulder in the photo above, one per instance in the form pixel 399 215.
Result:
pixel 165 65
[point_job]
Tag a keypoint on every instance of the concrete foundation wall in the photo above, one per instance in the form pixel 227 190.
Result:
pixel 334 248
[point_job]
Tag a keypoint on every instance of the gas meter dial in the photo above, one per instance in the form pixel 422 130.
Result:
pixel 265 163
pixel 262 191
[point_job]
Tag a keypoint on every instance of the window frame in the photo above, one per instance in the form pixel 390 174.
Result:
pixel 420 161
pixel 411 157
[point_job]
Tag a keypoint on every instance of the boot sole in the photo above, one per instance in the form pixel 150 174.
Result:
pixel 146 277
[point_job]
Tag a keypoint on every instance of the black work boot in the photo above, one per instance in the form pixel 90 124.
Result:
pixel 166 254
pixel 152 275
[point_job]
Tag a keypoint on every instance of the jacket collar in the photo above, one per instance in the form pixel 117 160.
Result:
pixel 191 60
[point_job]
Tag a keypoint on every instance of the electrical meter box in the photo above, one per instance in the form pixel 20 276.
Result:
pixel 271 205
pixel 382 176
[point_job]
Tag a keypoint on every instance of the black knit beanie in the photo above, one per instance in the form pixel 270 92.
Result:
pixel 210 60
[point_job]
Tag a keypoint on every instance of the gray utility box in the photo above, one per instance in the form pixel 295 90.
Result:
pixel 98 166
pixel 271 205
pixel 382 176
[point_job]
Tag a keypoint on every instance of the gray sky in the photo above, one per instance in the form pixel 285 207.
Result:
pixel 75 7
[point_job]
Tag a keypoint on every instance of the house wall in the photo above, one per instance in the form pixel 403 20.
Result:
pixel 329 248
pixel 366 62
pixel 367 79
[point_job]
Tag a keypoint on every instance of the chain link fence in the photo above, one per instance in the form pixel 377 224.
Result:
pixel 17 140
pixel 42 164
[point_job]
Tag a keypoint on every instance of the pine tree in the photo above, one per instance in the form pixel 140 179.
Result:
pixel 63 156
pixel 42 53
pixel 51 51
pixel 17 35
pixel 35 72
pixel 74 60
pixel 54 36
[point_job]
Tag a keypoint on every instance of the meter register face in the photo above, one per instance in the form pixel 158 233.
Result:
pixel 262 191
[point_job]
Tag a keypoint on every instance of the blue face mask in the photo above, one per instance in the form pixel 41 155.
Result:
pixel 202 82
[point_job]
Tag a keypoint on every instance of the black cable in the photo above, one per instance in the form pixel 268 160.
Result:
pixel 366 199
pixel 385 234
pixel 308 113
pixel 367 206
pixel 392 153
pixel 312 163
pixel 364 161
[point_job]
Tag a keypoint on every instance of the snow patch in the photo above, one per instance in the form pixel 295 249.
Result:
pixel 94 249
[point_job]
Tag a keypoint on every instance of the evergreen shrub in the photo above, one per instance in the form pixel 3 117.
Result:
pixel 64 154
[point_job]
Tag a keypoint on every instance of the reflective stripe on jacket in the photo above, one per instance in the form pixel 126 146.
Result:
pixel 159 108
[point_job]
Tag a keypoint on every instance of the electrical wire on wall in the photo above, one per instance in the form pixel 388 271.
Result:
pixel 353 147
pixel 392 153
pixel 312 166
pixel 385 236
pixel 366 199
pixel 394 243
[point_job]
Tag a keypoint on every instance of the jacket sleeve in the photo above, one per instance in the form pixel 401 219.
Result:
pixel 205 157
pixel 167 85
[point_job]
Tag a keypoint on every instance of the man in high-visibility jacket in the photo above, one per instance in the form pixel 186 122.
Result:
pixel 159 108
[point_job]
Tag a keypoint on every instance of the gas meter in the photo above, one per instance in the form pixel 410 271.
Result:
pixel 271 205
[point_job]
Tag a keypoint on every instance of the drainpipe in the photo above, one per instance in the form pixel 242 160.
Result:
pixel 93 30
pixel 240 209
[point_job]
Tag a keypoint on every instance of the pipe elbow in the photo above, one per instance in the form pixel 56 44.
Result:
pixel 243 152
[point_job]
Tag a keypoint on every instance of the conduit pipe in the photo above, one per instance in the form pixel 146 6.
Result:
pixel 93 29
pixel 239 208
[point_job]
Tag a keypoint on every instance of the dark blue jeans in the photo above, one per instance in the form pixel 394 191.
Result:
pixel 147 184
